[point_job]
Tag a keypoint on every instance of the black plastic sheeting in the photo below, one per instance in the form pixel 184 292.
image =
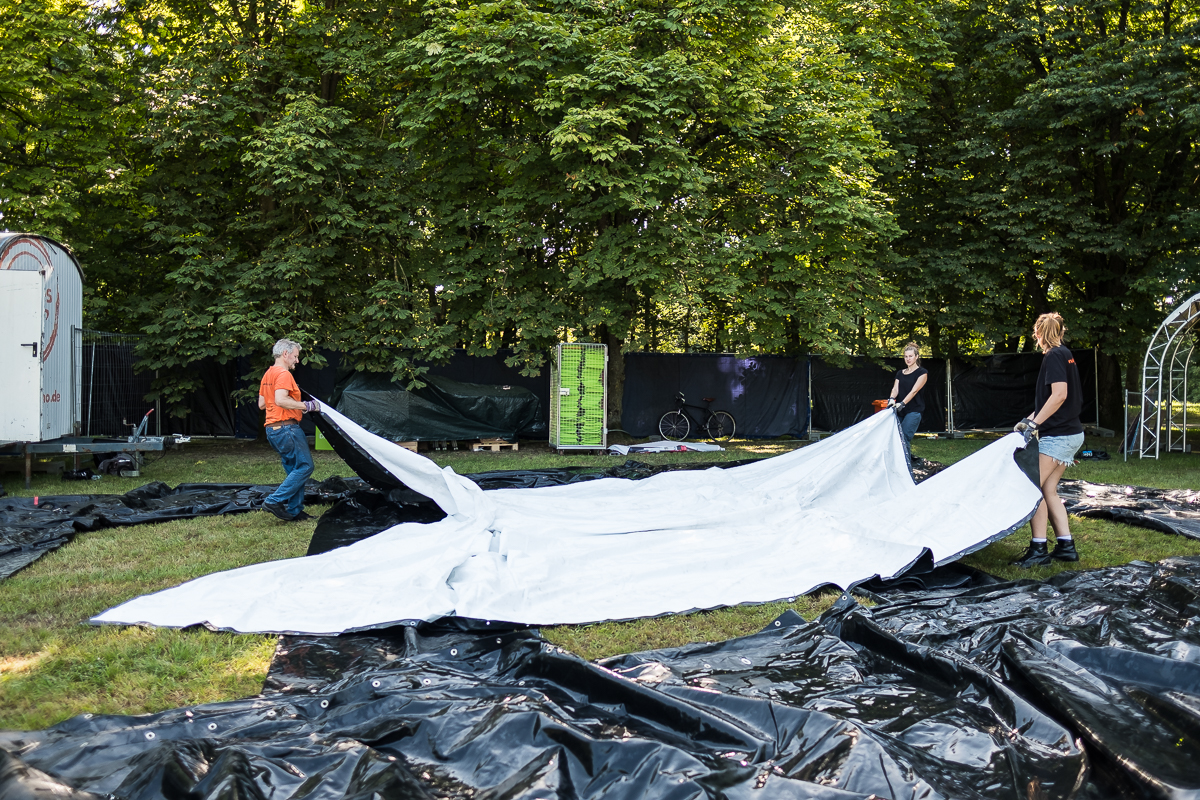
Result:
pixel 767 395
pixel 1112 654
pixel 1086 685
pixel 442 409
pixel 841 396
pixel 30 527
pixel 997 391
pixel 1167 510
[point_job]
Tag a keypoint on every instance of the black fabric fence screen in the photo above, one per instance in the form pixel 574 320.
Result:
pixel 997 391
pixel 767 395
pixel 841 396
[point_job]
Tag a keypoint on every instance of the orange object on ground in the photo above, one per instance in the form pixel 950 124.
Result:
pixel 880 405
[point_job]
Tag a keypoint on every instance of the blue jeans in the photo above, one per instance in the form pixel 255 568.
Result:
pixel 292 446
pixel 909 424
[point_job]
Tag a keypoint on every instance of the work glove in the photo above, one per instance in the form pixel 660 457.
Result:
pixel 1027 428
pixel 891 402
pixel 311 405
pixel 899 406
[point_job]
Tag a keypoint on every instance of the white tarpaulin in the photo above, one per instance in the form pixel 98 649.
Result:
pixel 664 447
pixel 836 512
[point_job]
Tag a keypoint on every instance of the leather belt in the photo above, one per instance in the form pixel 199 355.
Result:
pixel 283 424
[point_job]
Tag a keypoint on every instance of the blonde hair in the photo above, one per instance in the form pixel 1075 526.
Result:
pixel 912 346
pixel 1050 328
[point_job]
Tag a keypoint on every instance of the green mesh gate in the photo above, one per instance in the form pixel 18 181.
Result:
pixel 578 400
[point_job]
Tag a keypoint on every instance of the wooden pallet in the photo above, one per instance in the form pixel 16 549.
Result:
pixel 494 445
pixel 408 445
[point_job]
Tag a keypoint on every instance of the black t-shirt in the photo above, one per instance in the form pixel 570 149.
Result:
pixel 906 384
pixel 1059 367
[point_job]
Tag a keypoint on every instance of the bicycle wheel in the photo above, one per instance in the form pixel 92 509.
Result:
pixel 674 426
pixel 721 426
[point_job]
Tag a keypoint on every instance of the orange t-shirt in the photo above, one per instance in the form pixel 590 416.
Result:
pixel 279 378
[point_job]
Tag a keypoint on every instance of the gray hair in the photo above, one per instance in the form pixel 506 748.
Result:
pixel 285 346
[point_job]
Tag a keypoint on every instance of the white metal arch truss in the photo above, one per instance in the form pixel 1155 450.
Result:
pixel 1164 382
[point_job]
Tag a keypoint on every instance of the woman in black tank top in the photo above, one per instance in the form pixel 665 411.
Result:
pixel 907 396
pixel 1055 421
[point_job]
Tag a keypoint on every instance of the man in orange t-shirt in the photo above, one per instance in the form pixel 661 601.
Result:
pixel 279 395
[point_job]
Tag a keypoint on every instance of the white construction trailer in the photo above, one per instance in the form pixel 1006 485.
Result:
pixel 41 308
pixel 41 304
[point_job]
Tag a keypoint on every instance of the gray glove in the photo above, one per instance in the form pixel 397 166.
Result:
pixel 1027 428
pixel 891 402
pixel 899 406
pixel 311 405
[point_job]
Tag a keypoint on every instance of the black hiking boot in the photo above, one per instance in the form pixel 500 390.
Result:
pixel 1064 550
pixel 1035 556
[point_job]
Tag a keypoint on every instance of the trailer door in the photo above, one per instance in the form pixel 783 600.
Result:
pixel 20 356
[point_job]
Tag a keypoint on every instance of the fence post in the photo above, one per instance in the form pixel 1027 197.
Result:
pixel 75 378
pixel 91 389
pixel 949 396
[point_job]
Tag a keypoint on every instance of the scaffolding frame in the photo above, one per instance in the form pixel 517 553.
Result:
pixel 1164 382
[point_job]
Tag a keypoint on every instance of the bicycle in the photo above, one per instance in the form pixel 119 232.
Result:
pixel 677 424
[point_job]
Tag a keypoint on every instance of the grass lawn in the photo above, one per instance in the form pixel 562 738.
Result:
pixel 52 666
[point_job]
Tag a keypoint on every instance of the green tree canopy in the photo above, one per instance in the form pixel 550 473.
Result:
pixel 72 115
pixel 394 183
pixel 1053 167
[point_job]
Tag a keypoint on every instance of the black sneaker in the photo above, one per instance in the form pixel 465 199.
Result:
pixel 1035 556
pixel 279 511
pixel 304 515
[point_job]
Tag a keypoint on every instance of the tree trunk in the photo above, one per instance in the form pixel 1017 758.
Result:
pixel 1112 392
pixel 616 375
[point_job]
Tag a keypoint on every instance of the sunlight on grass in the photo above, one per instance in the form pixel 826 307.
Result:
pixel 14 665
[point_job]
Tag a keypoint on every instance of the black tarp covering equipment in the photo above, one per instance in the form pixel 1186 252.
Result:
pixel 767 395
pixel 462 367
pixel 1082 686
pixel 443 409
